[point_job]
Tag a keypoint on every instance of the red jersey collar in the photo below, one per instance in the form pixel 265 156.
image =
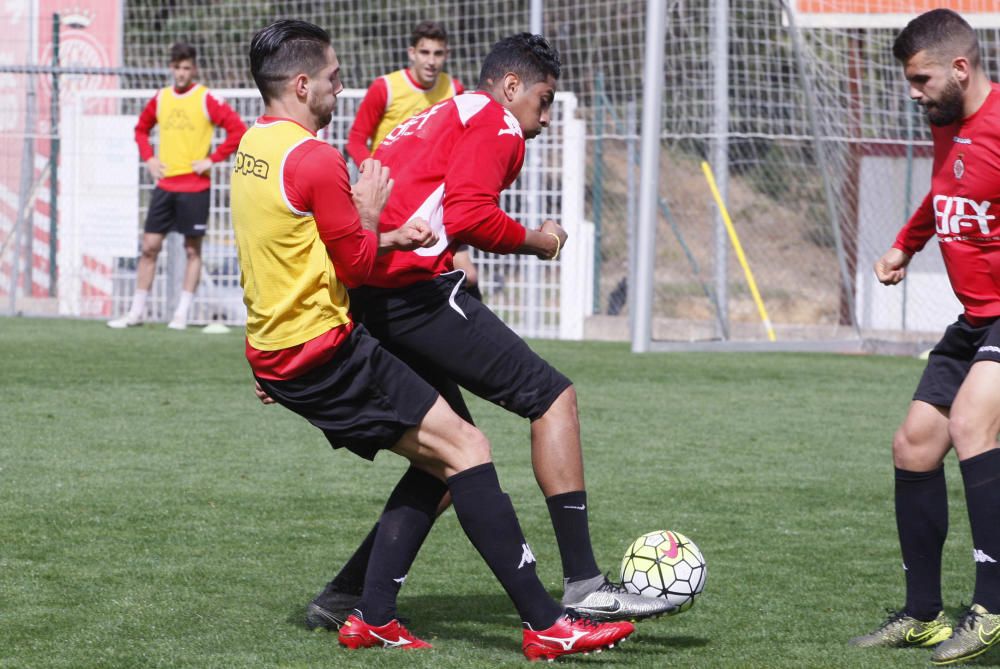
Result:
pixel 417 83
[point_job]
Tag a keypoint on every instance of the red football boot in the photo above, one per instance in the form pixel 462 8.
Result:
pixel 573 633
pixel 356 633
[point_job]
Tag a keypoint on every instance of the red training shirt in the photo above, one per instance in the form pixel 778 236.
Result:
pixel 962 208
pixel 450 165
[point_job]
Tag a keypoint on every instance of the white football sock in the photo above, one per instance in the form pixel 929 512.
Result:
pixel 183 305
pixel 138 308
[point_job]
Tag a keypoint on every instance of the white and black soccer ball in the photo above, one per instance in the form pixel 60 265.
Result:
pixel 665 564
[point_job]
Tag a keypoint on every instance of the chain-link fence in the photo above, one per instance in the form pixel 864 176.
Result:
pixel 818 174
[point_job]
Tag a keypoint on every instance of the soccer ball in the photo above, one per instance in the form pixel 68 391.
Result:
pixel 664 564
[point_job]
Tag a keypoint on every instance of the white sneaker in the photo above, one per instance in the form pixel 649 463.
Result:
pixel 177 324
pixel 126 321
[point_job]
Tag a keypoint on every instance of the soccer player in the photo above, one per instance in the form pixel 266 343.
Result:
pixel 450 164
pixel 395 97
pixel 302 235
pixel 957 403
pixel 187 114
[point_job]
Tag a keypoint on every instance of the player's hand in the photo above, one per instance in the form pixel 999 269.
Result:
pixel 550 227
pixel 261 395
pixel 890 269
pixel 202 166
pixel 155 167
pixel 371 192
pixel 414 234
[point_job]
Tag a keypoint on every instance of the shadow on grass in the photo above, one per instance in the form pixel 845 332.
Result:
pixel 463 617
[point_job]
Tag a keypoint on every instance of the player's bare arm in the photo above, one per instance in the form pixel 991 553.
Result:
pixel 890 269
pixel 371 192
pixel 545 242
pixel 413 234
pixel 202 166
pixel 155 168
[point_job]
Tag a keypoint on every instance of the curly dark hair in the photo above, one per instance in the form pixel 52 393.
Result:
pixel 940 31
pixel 284 49
pixel 529 56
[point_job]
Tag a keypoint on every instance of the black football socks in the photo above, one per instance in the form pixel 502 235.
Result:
pixel 981 475
pixel 568 512
pixel 408 516
pixel 922 521
pixel 351 577
pixel 489 520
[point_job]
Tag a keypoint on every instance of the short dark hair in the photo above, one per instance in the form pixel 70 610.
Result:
pixel 284 49
pixel 529 56
pixel 428 30
pixel 940 31
pixel 183 51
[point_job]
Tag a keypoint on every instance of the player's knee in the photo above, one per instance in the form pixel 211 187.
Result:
pixel 471 447
pixel 150 250
pixel 904 449
pixel 968 433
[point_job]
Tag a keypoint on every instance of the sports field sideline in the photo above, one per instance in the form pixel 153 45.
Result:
pixel 154 514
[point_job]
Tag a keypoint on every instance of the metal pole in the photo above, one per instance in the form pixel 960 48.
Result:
pixel 652 113
pixel 536 16
pixel 831 202
pixel 908 193
pixel 597 185
pixel 54 160
pixel 25 200
pixel 534 216
pixel 631 130
pixel 720 157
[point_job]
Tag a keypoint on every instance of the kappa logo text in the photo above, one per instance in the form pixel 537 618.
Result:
pixel 247 164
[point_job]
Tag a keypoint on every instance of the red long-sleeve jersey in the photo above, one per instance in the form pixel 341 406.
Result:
pixel 962 208
pixel 450 165
pixel 219 113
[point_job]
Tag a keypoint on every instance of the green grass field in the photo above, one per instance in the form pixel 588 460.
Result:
pixel 154 514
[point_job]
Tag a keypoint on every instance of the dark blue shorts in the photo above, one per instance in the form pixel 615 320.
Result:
pixel 450 338
pixel 949 361
pixel 363 399
pixel 186 213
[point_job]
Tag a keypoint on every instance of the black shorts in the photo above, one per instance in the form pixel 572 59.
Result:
pixel 949 362
pixel 447 336
pixel 186 213
pixel 363 399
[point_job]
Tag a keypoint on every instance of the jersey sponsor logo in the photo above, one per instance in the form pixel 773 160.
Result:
pixel 978 555
pixel 959 167
pixel 952 214
pixel 247 164
pixel 961 140
pixel 527 557
pixel 513 127
pixel 412 125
